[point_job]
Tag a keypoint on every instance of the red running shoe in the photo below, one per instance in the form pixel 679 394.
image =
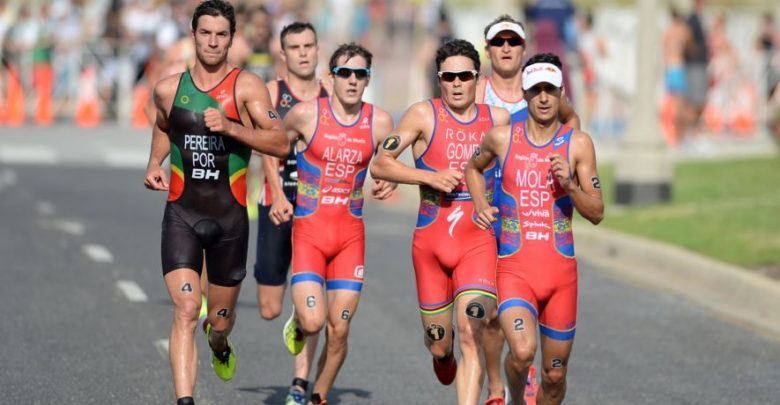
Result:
pixel 445 369
pixel 531 387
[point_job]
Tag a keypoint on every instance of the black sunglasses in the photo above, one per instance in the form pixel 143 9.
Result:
pixel 463 75
pixel 346 72
pixel 513 41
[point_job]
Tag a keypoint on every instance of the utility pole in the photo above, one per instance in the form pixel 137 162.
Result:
pixel 644 170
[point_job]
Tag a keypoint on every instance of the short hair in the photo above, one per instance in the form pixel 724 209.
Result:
pixel 457 47
pixel 503 18
pixel 296 28
pixel 350 50
pixel 544 58
pixel 215 8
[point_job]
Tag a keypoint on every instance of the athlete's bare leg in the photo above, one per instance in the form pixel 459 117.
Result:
pixel 472 312
pixel 493 345
pixel 222 314
pixel 438 333
pixel 269 300
pixel 304 359
pixel 342 305
pixel 555 360
pixel 310 306
pixel 184 289
pixel 519 326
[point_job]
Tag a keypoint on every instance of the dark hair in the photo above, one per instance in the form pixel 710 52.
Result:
pixel 296 28
pixel 349 50
pixel 503 18
pixel 457 47
pixel 215 8
pixel 544 58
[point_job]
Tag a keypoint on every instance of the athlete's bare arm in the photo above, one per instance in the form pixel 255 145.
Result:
pixel 493 145
pixel 584 185
pixel 567 115
pixel 280 207
pixel 500 116
pixel 164 91
pixel 414 129
pixel 267 133
pixel 381 128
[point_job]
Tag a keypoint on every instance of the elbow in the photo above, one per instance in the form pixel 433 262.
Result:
pixel 282 148
pixel 597 217
pixel 377 169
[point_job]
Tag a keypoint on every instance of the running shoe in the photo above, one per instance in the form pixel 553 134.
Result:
pixel 204 312
pixel 447 367
pixel 531 387
pixel 294 339
pixel 296 396
pixel 224 364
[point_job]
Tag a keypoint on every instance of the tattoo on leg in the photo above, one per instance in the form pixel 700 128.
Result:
pixel 475 310
pixel 311 301
pixel 223 313
pixel 187 287
pixel 345 314
pixel 519 325
pixel 435 332
pixel 557 363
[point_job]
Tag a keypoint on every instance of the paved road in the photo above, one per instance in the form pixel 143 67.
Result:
pixel 72 230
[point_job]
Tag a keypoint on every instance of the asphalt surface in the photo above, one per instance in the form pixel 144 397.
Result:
pixel 73 229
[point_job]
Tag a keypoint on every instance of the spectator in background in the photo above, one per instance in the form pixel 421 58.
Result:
pixel 696 60
pixel 767 43
pixel 259 34
pixel 592 50
pixel 675 39
pixel 548 20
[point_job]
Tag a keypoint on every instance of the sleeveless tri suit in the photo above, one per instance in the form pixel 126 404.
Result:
pixel 206 208
pixel 450 253
pixel 328 230
pixel 536 265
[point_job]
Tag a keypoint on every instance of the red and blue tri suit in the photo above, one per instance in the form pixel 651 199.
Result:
pixel 536 265
pixel 328 230
pixel 450 253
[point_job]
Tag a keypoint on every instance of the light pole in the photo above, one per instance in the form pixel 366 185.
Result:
pixel 644 171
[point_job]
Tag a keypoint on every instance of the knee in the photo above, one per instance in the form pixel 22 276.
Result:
pixel 269 311
pixel 522 355
pixel 439 349
pixel 469 336
pixel 186 311
pixel 310 325
pixel 337 333
pixel 554 377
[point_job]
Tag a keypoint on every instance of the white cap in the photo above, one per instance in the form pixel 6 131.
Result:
pixel 542 73
pixel 505 26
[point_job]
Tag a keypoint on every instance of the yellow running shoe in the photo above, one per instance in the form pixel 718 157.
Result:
pixel 224 364
pixel 293 338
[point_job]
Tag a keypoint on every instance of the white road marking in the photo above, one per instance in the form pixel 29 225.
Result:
pixel 7 179
pixel 44 208
pixel 98 253
pixel 127 159
pixel 132 291
pixel 162 347
pixel 68 226
pixel 28 155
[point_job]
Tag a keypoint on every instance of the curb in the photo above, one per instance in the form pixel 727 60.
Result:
pixel 730 291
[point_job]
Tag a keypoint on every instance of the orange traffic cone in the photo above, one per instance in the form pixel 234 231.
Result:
pixel 43 81
pixel 15 98
pixel 87 113
pixel 140 98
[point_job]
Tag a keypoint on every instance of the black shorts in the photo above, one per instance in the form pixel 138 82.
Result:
pixel 274 249
pixel 225 240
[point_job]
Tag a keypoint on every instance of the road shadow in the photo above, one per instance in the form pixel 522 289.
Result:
pixel 276 394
